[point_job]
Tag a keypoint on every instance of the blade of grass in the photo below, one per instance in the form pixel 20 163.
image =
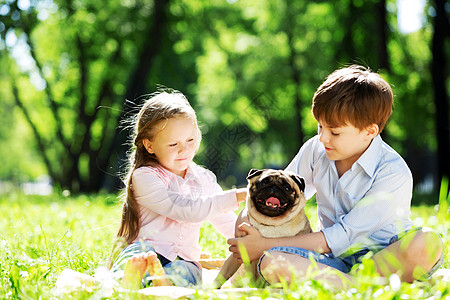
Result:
pixel 244 253
pixel 444 199
pixel 46 244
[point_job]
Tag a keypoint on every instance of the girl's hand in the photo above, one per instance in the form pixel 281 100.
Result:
pixel 241 195
pixel 253 241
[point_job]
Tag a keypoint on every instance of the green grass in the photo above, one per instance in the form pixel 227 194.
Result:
pixel 41 236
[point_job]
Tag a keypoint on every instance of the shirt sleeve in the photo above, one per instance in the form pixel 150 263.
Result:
pixel 302 164
pixel 152 193
pixel 386 202
pixel 225 224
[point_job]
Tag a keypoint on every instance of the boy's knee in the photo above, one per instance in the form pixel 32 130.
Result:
pixel 270 266
pixel 265 262
pixel 426 244
pixel 262 268
pixel 276 266
pixel 433 243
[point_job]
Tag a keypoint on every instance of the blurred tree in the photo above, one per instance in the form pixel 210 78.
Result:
pixel 439 73
pixel 265 76
pixel 382 34
pixel 356 19
pixel 138 83
pixel 412 128
pixel 252 73
pixel 83 54
pixel 249 68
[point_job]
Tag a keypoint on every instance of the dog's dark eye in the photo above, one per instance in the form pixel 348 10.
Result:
pixel 265 182
pixel 287 188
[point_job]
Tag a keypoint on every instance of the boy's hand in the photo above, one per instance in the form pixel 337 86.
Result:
pixel 242 218
pixel 253 241
pixel 240 233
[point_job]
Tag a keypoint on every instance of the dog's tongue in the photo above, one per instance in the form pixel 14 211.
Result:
pixel 273 202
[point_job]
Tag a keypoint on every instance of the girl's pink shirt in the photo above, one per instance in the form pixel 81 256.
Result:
pixel 172 209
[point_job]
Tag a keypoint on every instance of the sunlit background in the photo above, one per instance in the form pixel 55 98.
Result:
pixel 249 68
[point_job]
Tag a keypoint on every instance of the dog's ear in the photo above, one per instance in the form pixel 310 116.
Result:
pixel 299 180
pixel 253 173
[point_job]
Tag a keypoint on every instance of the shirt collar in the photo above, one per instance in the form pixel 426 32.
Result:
pixel 190 173
pixel 369 159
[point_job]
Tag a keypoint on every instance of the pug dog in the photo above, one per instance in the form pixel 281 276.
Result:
pixel 275 206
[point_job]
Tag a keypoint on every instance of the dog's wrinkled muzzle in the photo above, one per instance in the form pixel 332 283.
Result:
pixel 272 201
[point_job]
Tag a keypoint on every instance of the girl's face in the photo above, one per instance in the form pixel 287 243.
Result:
pixel 174 144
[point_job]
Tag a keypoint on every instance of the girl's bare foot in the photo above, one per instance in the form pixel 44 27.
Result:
pixel 156 270
pixel 134 271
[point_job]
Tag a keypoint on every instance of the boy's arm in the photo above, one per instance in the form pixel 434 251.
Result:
pixel 388 202
pixel 255 244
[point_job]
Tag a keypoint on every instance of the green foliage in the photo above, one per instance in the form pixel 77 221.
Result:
pixel 41 236
pixel 250 69
pixel 72 93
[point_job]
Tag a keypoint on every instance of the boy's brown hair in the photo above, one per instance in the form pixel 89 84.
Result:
pixel 353 96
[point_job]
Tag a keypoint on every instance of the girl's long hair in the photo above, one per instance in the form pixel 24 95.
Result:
pixel 158 108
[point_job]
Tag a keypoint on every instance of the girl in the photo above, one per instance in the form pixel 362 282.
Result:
pixel 168 197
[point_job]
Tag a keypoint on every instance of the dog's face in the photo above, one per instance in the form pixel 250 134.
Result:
pixel 275 193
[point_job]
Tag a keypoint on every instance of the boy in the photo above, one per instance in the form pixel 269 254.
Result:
pixel 363 190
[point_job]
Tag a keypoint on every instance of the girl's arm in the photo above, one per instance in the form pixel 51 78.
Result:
pixel 152 193
pixel 255 244
pixel 226 223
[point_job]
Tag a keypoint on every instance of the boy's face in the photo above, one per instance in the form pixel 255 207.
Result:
pixel 345 144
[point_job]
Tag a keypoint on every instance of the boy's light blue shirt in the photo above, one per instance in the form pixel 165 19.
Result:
pixel 364 208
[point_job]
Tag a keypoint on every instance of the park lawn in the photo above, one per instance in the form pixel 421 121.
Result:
pixel 42 235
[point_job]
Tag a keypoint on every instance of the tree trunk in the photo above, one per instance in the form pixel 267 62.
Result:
pixel 295 73
pixel 346 53
pixel 383 57
pixel 382 28
pixel 136 88
pixel 439 76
